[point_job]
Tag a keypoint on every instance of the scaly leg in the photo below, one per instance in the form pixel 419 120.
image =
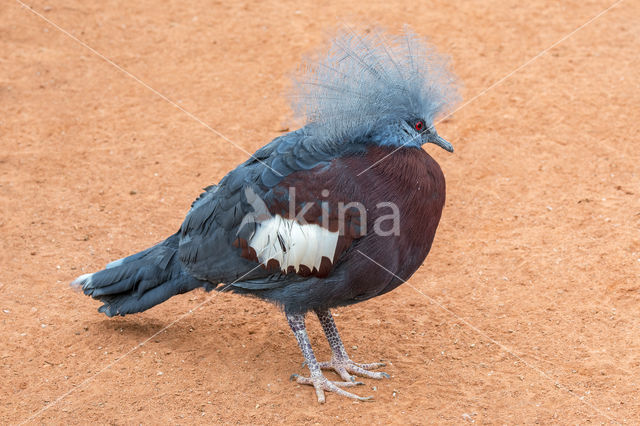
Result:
pixel 340 361
pixel 316 379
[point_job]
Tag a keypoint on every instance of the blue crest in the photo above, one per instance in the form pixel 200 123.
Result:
pixel 368 82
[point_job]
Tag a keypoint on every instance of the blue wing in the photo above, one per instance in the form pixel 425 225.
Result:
pixel 207 236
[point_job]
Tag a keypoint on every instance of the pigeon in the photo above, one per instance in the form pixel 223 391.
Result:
pixel 337 212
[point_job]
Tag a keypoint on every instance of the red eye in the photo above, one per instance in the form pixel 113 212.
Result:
pixel 419 125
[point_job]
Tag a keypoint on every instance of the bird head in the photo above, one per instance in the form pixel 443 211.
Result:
pixel 377 89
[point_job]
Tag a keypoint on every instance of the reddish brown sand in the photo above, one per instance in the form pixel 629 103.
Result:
pixel 527 309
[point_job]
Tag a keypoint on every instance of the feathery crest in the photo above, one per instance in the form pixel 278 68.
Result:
pixel 370 80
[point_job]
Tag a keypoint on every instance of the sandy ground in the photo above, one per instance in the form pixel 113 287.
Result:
pixel 527 309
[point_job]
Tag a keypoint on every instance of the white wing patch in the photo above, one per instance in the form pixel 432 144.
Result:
pixel 293 244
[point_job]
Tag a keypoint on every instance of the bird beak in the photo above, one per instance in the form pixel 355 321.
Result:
pixel 442 143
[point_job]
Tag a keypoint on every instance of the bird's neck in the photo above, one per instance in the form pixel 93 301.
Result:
pixel 407 164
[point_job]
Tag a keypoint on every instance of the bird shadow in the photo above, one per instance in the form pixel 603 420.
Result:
pixel 138 329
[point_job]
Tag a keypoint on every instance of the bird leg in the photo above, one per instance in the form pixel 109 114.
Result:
pixel 340 361
pixel 316 378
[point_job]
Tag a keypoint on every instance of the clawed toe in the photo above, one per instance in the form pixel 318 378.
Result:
pixel 343 368
pixel 309 381
pixel 360 371
pixel 371 366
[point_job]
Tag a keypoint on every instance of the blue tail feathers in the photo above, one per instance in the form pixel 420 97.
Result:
pixel 140 281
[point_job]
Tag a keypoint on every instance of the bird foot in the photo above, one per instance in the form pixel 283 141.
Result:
pixel 345 366
pixel 322 384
